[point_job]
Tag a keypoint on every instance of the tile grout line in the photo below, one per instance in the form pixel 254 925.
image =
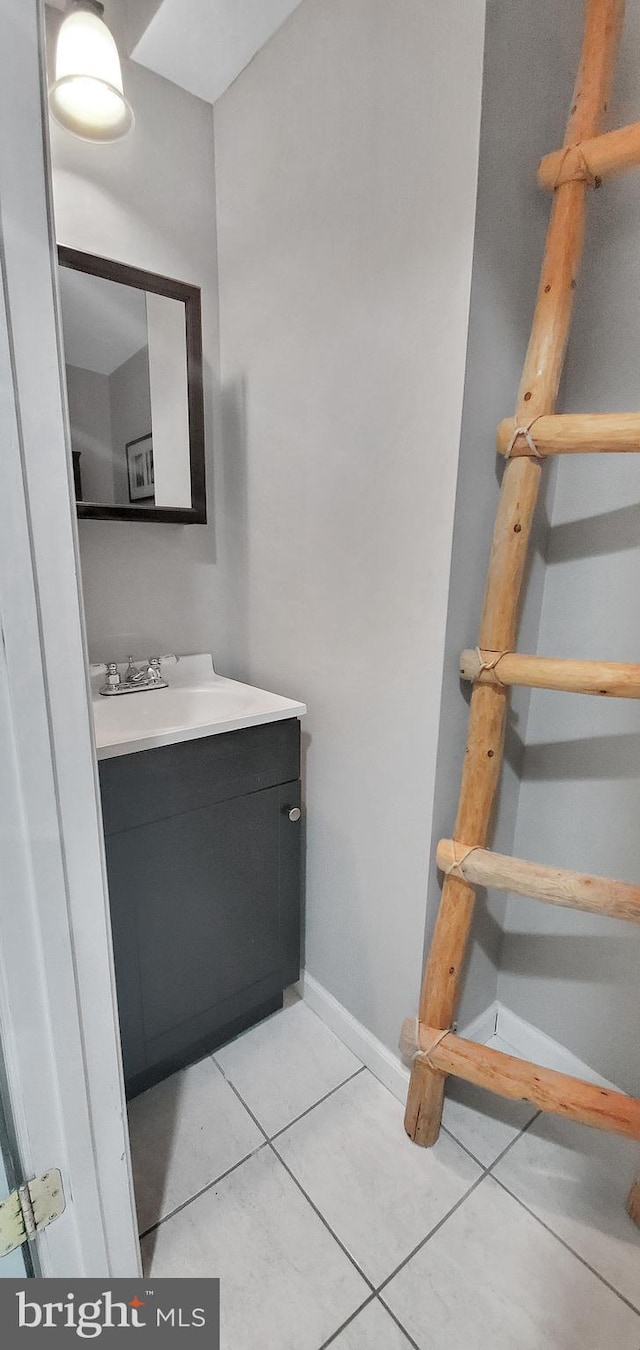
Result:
pixel 486 1171
pixel 436 1228
pixel 223 1175
pixel 547 1226
pixel 243 1103
pixel 465 1148
pixel 319 1102
pixel 267 1143
pixel 296 1118
pixel 327 1225
pixel 343 1325
pixel 512 1143
pixel 270 1138
pixel 398 1323
pixel 486 1167
pixel 307 1110
pixel 297 1183
pixel 266 1140
pixel 373 1298
pixel 563 1243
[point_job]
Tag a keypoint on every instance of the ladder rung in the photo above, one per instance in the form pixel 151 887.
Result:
pixel 522 1081
pixel 575 434
pixel 609 679
pixel 594 158
pixel 551 885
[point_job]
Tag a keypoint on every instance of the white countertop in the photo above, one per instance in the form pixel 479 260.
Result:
pixel 197 703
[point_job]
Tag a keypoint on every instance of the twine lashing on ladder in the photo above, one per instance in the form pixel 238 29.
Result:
pixel 490 665
pixel 435 1041
pixel 455 866
pixel 582 173
pixel 525 431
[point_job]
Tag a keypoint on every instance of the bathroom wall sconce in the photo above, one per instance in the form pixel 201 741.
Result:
pixel 88 96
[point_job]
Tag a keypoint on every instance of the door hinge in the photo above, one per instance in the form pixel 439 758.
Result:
pixel 30 1209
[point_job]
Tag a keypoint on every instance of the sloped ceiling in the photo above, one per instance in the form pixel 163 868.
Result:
pixel 104 323
pixel 204 44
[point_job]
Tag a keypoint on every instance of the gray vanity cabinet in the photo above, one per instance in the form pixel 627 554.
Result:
pixel 204 863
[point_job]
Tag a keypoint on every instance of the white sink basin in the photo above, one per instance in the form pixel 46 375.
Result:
pixel 197 703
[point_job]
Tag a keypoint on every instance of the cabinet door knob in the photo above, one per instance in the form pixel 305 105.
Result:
pixel 294 813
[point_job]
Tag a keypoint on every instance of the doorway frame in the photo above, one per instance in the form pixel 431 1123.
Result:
pixel 58 1010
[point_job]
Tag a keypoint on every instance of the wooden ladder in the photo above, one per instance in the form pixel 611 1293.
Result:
pixel 526 440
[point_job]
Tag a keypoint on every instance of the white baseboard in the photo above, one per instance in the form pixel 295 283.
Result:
pixel 388 1067
pixel 383 1063
pixel 530 1043
pixel 483 1027
pixel 526 1041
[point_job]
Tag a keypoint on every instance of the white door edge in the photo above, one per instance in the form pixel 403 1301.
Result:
pixel 57 989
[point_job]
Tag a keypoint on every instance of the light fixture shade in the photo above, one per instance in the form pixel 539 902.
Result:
pixel 88 97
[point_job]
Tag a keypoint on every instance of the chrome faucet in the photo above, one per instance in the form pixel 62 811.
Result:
pixel 154 672
pixel 136 679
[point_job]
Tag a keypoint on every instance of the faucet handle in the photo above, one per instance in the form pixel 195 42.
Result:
pixel 154 670
pixel 113 679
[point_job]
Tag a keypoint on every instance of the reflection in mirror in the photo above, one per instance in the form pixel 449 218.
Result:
pixel 134 387
pixel 106 344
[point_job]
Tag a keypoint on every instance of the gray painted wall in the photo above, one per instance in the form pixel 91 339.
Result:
pixel 577 977
pixel 107 411
pixel 149 200
pixel 130 395
pixel 90 417
pixel 346 173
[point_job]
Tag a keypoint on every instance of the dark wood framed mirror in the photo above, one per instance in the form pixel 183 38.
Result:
pixel 133 359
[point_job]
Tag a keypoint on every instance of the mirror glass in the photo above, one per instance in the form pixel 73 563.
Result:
pixel 131 394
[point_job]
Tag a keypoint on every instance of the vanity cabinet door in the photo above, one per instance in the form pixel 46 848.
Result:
pixel 206 914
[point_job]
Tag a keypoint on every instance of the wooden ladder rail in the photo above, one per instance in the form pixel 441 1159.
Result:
pixel 487 717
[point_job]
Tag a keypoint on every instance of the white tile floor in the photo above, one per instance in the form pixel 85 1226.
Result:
pixel 281 1165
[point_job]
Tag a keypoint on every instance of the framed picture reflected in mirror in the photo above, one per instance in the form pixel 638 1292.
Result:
pixel 140 469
